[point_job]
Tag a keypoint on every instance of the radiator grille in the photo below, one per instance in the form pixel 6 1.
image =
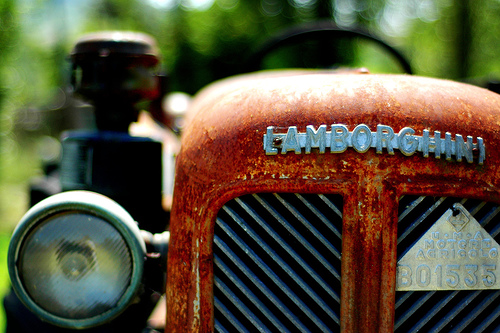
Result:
pixel 277 263
pixel 444 311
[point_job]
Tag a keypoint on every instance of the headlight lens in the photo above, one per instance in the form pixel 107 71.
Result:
pixel 76 259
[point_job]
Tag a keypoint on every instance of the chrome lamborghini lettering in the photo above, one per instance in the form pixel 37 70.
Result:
pixel 337 138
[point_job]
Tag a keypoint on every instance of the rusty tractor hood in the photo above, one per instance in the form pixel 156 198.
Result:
pixel 288 132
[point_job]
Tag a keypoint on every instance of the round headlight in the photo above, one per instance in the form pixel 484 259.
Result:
pixel 76 259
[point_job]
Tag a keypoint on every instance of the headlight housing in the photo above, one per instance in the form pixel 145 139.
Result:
pixel 76 259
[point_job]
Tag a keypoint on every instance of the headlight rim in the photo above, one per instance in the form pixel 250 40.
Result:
pixel 83 202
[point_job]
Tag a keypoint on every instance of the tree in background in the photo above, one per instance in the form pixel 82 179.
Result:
pixel 8 46
pixel 8 30
pixel 200 46
pixel 8 35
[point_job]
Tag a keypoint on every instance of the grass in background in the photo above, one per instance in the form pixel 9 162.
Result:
pixel 4 276
pixel 17 167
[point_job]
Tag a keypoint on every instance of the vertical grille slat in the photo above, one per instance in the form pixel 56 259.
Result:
pixel 272 272
pixel 444 311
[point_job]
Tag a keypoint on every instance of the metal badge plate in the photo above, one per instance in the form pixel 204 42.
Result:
pixel 456 253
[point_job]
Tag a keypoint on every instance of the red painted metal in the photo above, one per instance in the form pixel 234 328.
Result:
pixel 222 156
